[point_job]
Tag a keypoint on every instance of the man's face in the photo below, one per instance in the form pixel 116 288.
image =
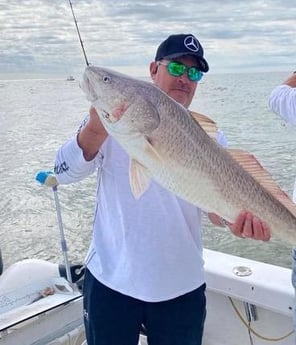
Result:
pixel 179 88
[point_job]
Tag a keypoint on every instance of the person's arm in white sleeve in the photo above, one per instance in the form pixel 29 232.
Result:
pixel 80 156
pixel 282 100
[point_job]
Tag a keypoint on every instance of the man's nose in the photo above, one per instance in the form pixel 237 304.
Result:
pixel 184 78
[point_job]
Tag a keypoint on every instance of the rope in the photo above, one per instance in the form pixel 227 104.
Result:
pixel 250 329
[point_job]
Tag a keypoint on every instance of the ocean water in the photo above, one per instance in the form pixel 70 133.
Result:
pixel 37 116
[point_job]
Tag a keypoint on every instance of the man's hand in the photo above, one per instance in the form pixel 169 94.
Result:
pixel 246 225
pixel 94 124
pixel 291 81
pixel 91 136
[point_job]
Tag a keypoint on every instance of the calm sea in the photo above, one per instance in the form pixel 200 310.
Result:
pixel 37 116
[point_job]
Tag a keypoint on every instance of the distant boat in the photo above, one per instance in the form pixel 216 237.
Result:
pixel 70 78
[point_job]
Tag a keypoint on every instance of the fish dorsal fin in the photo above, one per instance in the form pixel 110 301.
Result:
pixel 140 178
pixel 207 124
pixel 250 163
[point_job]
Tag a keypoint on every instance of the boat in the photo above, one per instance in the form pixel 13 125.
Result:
pixel 248 302
pixel 70 78
pixel 39 306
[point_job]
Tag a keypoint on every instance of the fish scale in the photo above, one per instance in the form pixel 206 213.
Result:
pixel 165 143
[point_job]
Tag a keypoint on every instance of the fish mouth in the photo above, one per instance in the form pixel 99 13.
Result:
pixel 88 88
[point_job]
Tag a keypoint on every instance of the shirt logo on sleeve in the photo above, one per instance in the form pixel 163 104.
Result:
pixel 61 168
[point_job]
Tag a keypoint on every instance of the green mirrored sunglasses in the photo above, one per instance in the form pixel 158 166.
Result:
pixel 177 69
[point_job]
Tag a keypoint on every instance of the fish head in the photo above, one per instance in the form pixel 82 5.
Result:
pixel 122 103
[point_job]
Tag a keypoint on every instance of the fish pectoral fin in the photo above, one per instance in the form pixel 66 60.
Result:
pixel 250 163
pixel 140 178
pixel 207 124
pixel 151 152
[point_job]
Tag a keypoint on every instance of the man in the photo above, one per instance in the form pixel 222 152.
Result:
pixel 282 101
pixel 145 265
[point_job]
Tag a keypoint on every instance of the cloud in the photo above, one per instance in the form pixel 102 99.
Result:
pixel 40 35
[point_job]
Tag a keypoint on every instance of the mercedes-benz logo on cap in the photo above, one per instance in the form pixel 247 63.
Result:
pixel 191 43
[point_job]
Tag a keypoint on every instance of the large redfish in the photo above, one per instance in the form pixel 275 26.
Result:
pixel 166 143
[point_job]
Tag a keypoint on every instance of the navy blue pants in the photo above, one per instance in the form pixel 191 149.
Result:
pixel 112 318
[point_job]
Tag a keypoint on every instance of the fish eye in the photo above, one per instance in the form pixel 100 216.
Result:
pixel 106 79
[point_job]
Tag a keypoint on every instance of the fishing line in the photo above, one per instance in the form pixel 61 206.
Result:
pixel 78 32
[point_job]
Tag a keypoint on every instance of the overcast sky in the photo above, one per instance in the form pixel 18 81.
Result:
pixel 39 36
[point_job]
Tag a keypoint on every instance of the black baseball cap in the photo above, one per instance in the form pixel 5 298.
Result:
pixel 179 45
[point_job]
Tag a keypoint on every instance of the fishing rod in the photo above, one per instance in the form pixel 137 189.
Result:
pixel 78 32
pixel 48 179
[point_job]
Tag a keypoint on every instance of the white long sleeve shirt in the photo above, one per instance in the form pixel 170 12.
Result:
pixel 282 101
pixel 149 249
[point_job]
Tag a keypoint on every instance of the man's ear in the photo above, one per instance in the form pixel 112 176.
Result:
pixel 153 69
